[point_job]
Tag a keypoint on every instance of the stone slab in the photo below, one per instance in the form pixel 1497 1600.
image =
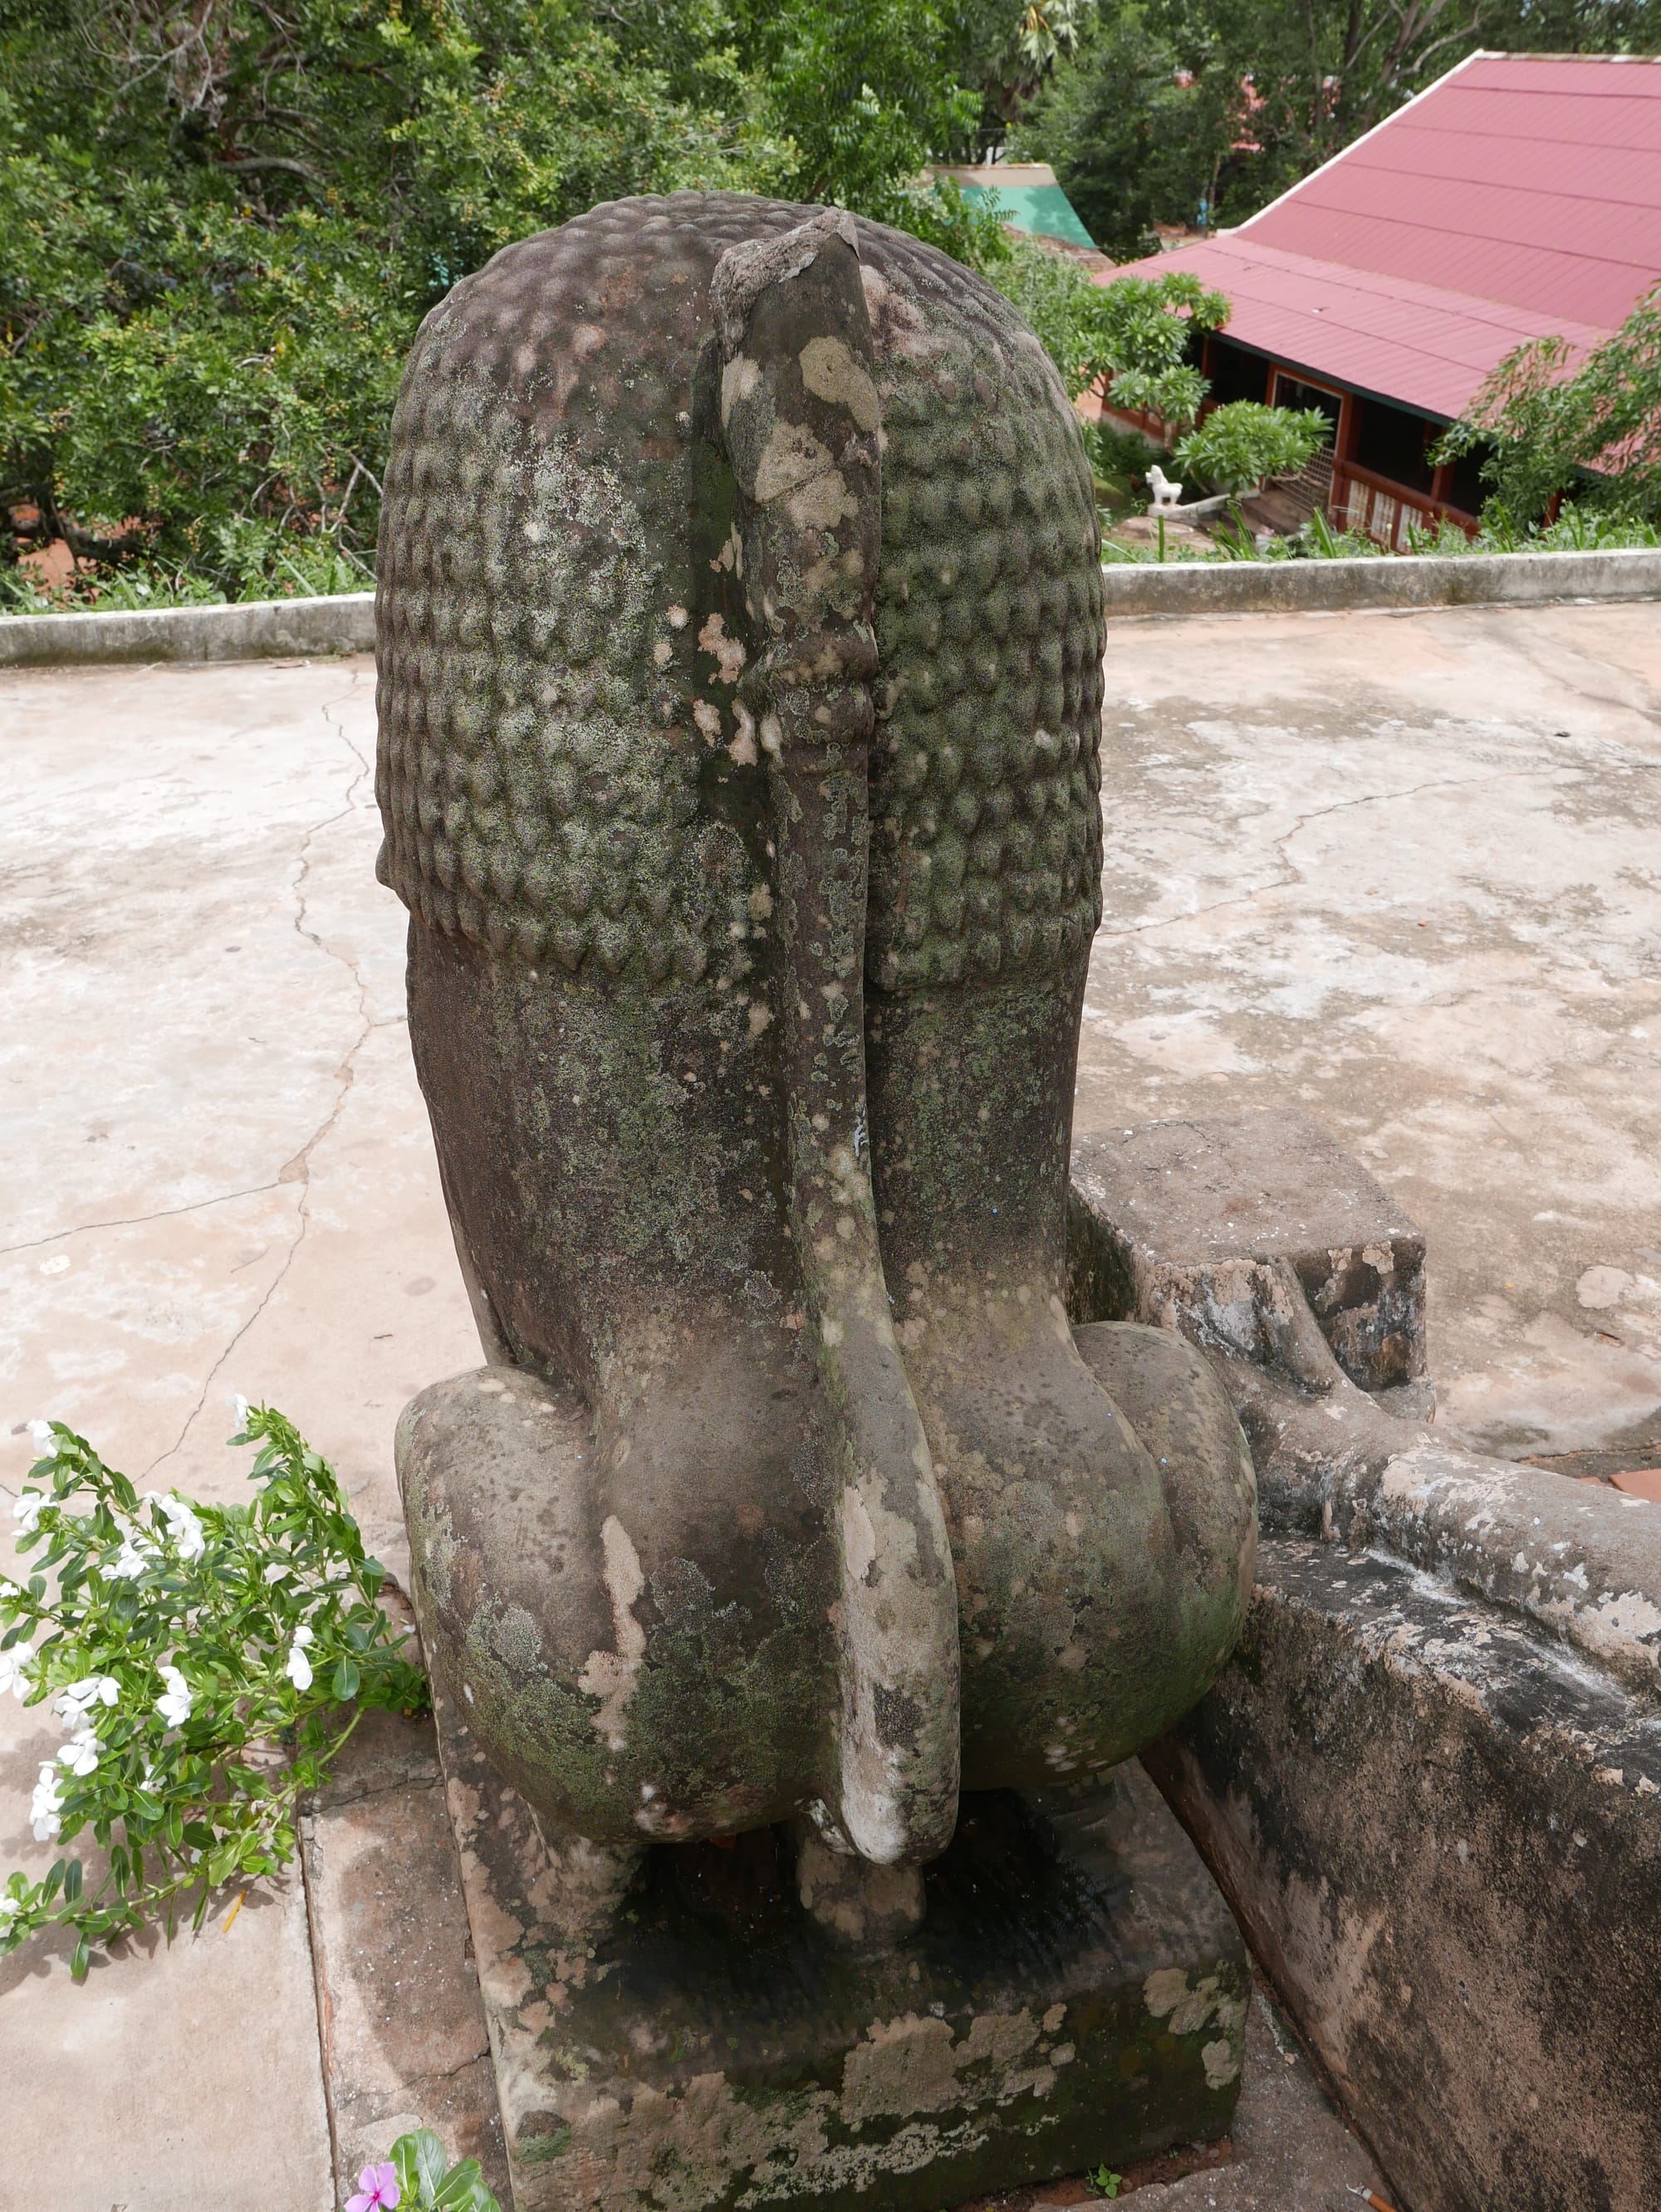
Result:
pixel 1270 1184
pixel 1442 1833
pixel 1291 1336
pixel 404 2043
pixel 1201 1216
pixel 1077 1993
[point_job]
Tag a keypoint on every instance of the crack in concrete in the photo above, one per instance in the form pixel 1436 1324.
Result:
pixel 1295 874
pixel 192 1206
pixel 138 1220
pixel 297 1169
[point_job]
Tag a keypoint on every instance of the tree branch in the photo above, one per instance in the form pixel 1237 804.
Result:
pixel 249 162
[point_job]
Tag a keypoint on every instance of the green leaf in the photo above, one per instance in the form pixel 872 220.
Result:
pixel 72 1881
pixel 420 2162
pixel 346 1679
pixel 464 2190
pixel 79 1960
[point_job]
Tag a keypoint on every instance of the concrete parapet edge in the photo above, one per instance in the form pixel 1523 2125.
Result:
pixel 1497 580
pixel 257 629
pixel 251 629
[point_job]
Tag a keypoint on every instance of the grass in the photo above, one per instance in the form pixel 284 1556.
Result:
pixel 1575 530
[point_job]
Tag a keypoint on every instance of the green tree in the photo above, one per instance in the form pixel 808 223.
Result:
pixel 1239 446
pixel 223 223
pixel 865 95
pixel 1139 331
pixel 1131 143
pixel 1546 426
pixel 1008 51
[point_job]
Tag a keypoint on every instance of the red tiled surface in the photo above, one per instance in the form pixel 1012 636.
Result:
pixel 1517 196
pixel 1639 1482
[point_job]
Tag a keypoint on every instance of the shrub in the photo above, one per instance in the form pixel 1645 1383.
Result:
pixel 1239 447
pixel 209 1663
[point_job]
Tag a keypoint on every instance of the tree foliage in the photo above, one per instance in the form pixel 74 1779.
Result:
pixel 1138 331
pixel 224 219
pixel 1546 425
pixel 1132 143
pixel 1007 52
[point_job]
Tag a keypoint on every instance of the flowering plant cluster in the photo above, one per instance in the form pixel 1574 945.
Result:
pixel 418 2179
pixel 207 1662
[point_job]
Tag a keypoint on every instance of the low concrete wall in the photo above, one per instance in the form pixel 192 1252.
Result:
pixel 258 629
pixel 253 630
pixel 1441 1834
pixel 1475 580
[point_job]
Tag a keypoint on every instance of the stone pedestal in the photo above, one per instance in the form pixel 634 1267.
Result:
pixel 1076 1992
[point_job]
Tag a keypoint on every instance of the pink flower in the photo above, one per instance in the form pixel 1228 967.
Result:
pixel 377 2188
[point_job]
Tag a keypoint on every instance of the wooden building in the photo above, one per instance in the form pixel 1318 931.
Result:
pixel 1518 196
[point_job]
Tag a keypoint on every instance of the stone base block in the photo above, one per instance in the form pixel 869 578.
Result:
pixel 1252 1228
pixel 1076 1993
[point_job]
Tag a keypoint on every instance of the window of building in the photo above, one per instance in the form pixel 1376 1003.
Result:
pixel 1235 373
pixel 1465 488
pixel 1392 443
pixel 1309 398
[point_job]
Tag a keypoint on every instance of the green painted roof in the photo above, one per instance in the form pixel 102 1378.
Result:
pixel 1044 211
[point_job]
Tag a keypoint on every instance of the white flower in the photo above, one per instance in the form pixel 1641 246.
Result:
pixel 10 1909
pixel 44 1805
pixel 129 1562
pixel 184 1528
pixel 75 1703
pixel 27 1510
pixel 80 1753
pixel 12 1666
pixel 175 1707
pixel 45 1439
pixel 298 1669
pixel 239 1411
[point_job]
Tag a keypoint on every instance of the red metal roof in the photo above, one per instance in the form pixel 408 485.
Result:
pixel 1519 195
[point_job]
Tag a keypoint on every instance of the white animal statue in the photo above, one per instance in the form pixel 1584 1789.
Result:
pixel 1165 494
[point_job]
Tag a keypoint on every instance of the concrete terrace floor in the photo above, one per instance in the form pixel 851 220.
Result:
pixel 1402 870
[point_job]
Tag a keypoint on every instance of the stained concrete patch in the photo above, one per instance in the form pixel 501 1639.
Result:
pixel 231 1182
pixel 230 1186
pixel 1401 870
pixel 1287 2150
pixel 174 2077
pixel 405 2043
